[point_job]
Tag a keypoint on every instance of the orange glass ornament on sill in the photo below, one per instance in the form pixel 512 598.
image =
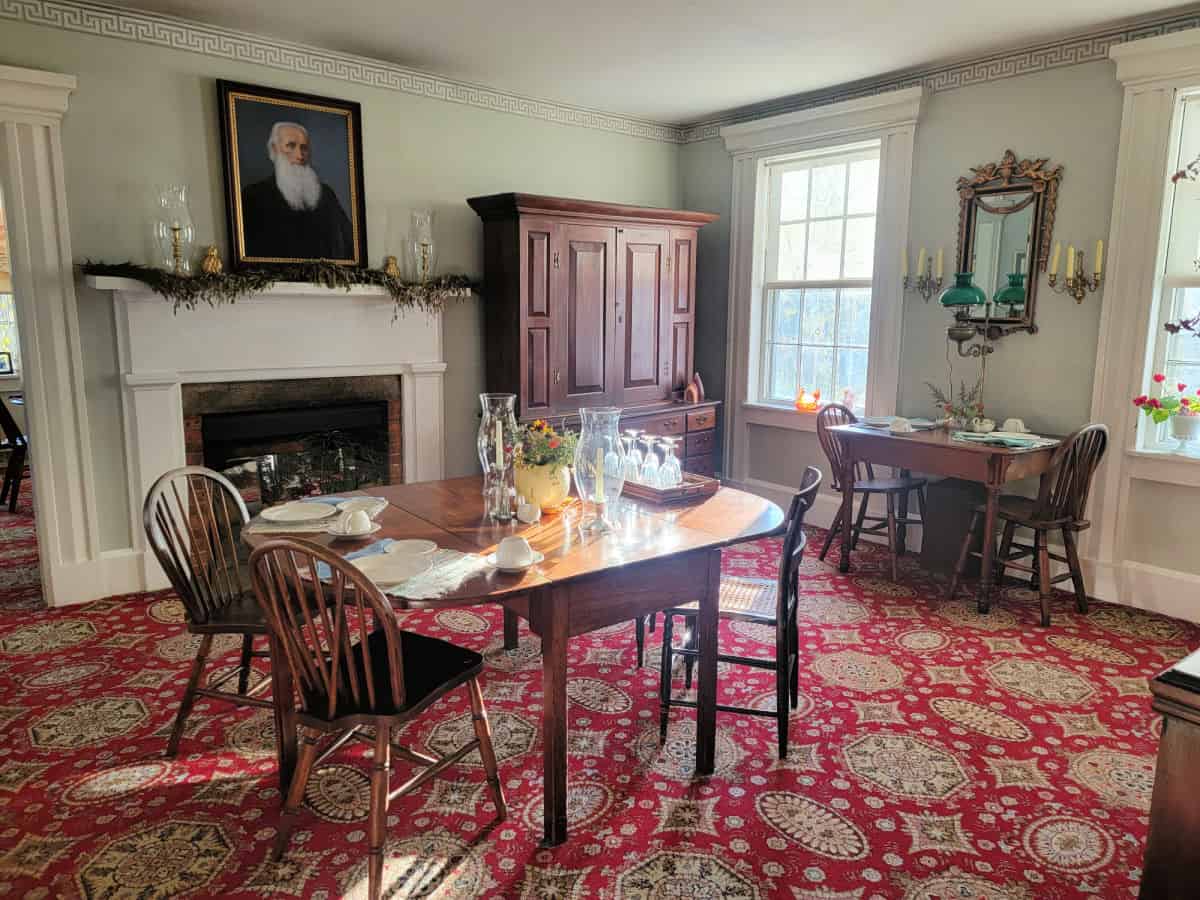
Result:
pixel 806 402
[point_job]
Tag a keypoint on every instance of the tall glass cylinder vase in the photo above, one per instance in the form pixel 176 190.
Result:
pixel 497 444
pixel 600 464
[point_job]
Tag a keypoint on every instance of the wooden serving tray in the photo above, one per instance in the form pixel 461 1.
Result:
pixel 694 487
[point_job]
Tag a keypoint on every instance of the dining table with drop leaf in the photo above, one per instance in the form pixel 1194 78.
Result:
pixel 659 557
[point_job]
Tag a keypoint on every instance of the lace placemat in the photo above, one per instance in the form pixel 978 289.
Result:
pixel 449 571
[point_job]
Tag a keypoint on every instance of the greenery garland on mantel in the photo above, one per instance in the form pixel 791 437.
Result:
pixel 226 287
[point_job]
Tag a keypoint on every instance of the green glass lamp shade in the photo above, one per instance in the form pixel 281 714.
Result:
pixel 962 292
pixel 1013 295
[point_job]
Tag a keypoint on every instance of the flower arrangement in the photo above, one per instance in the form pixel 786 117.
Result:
pixel 539 444
pixel 1171 403
pixel 808 401
pixel 967 405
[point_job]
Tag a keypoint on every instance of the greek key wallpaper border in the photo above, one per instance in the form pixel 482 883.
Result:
pixel 180 34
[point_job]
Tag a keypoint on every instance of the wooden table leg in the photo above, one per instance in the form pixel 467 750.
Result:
pixel 283 699
pixel 847 477
pixel 706 676
pixel 511 635
pixel 903 515
pixel 548 612
pixel 989 545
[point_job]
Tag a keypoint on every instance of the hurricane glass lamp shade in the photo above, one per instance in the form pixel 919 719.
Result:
pixel 962 292
pixel 1013 295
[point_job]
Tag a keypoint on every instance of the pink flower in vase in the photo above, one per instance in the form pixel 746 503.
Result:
pixel 1159 378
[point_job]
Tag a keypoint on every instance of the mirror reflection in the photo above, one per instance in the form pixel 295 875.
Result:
pixel 1002 250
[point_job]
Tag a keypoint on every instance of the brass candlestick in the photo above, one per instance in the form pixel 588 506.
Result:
pixel 177 248
pixel 1076 284
pixel 925 283
pixel 425 253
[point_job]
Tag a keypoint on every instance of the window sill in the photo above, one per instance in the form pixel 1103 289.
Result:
pixel 10 382
pixel 1166 466
pixel 779 416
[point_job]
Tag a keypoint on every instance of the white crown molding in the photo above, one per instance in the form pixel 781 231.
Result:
pixel 1170 56
pixel 181 34
pixel 160 30
pixel 26 93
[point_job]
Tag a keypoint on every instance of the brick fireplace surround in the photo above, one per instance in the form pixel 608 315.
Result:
pixel 210 398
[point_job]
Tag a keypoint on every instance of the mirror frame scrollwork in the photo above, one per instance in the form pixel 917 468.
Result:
pixel 1010 176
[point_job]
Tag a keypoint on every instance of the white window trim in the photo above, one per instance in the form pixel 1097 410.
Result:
pixel 1153 72
pixel 889 118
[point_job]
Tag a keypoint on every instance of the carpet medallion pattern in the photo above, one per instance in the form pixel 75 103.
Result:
pixel 935 753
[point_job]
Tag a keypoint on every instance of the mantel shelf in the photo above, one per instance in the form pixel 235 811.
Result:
pixel 280 289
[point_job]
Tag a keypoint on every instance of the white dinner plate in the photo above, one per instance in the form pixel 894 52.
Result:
pixel 389 569
pixel 299 511
pixel 411 547
pixel 372 506
pixel 516 570
pixel 339 535
pixel 876 421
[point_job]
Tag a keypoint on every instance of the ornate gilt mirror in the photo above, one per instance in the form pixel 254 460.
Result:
pixel 1005 223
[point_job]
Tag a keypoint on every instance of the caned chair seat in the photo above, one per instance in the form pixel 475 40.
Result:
pixel 431 667
pixel 888 485
pixel 752 599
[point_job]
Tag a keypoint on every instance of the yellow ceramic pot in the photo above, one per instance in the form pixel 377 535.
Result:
pixel 548 486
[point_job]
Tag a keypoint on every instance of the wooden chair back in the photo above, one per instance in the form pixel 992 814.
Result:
pixel 793 543
pixel 13 436
pixel 830 416
pixel 1064 491
pixel 189 517
pixel 321 636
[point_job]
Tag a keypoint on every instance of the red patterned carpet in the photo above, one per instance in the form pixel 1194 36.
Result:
pixel 936 754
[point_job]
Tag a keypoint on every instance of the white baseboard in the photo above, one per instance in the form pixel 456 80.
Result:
pixel 113 572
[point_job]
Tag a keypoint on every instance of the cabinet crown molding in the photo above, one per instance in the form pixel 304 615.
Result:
pixel 508 206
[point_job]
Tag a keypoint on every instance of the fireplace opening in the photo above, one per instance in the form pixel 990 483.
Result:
pixel 281 454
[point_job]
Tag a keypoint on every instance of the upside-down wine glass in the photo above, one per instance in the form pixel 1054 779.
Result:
pixel 670 474
pixel 649 474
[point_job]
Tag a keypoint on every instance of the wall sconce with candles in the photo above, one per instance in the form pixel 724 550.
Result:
pixel 1075 283
pixel 929 276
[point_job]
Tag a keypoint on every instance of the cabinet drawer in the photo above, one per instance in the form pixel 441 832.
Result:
pixel 661 424
pixel 701 465
pixel 700 442
pixel 701 419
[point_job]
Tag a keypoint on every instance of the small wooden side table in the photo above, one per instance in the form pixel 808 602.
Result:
pixel 1171 870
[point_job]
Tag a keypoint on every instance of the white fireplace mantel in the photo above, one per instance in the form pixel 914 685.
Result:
pixel 289 331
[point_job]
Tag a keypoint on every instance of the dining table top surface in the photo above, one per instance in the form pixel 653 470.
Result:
pixel 939 438
pixel 450 513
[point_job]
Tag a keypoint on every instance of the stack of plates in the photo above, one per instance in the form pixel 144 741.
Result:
pixel 298 512
pixel 390 569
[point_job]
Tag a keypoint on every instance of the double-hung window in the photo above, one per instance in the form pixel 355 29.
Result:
pixel 8 313
pixel 817 254
pixel 1178 275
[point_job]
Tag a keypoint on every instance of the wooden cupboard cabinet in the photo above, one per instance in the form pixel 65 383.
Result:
pixel 592 304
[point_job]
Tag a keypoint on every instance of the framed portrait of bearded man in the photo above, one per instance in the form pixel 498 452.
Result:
pixel 293 177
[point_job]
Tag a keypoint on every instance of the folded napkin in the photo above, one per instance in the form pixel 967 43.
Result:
pixel 1012 443
pixel 447 571
pixel 373 549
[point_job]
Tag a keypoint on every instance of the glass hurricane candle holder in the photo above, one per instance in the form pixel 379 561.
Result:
pixel 599 464
pixel 497 445
pixel 173 230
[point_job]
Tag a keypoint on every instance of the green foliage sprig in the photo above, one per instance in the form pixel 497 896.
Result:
pixel 228 287
pixel 967 405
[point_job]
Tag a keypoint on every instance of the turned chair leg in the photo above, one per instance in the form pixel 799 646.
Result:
pixel 295 794
pixel 834 529
pixel 483 732
pixel 189 694
pixel 783 708
pixel 1005 549
pixel 891 530
pixel 960 567
pixel 1081 597
pixel 377 822
pixel 664 677
pixel 1034 577
pixel 653 617
pixel 691 641
pixel 1044 577
pixel 858 523
pixel 639 635
pixel 244 664
pixel 794 663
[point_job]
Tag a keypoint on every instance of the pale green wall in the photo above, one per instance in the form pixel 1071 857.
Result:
pixel 144 116
pixel 1071 115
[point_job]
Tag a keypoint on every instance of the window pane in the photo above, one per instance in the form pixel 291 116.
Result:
pixel 1178 373
pixel 864 186
pixel 791 252
pixel 852 374
pixel 816 370
pixel 785 325
pixel 782 383
pixel 854 318
pixel 860 247
pixel 819 310
pixel 829 191
pixel 793 199
pixel 825 250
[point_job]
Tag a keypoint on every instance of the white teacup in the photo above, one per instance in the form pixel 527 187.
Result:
pixel 514 552
pixel 900 425
pixel 1014 425
pixel 358 522
pixel 982 426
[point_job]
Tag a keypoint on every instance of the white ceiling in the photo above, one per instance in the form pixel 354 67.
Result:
pixel 672 61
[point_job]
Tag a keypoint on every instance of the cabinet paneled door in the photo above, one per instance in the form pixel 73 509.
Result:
pixel 590 304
